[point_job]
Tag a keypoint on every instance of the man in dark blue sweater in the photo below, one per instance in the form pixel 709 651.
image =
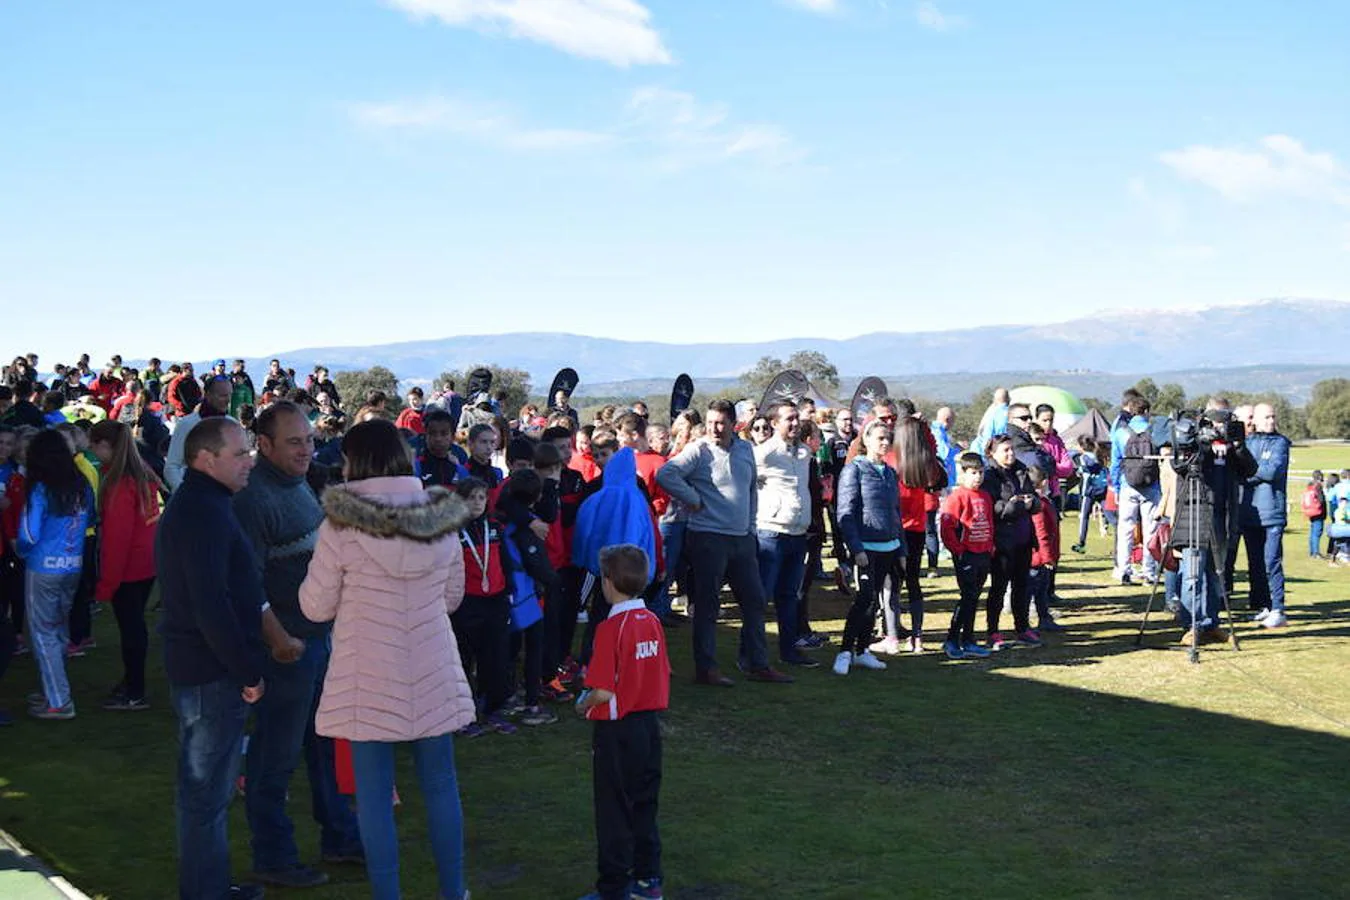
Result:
pixel 213 651
pixel 281 515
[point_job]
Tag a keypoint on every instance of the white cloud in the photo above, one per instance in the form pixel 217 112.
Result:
pixel 929 16
pixel 673 127
pixel 454 116
pixel 1279 167
pixel 686 132
pixel 613 31
pixel 819 6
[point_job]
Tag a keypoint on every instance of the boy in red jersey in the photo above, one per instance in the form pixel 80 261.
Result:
pixel 967 529
pixel 628 684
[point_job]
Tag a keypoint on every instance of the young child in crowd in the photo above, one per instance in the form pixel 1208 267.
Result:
pixel 1314 506
pixel 966 525
pixel 533 577
pixel 1045 558
pixel 437 464
pixel 481 621
pixel 628 684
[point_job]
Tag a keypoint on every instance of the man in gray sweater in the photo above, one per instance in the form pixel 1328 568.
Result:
pixel 281 515
pixel 716 479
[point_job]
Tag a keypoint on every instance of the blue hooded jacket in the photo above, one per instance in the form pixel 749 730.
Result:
pixel 1264 499
pixel 51 543
pixel 1119 437
pixel 616 514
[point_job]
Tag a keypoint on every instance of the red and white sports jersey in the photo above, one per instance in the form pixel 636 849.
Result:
pixel 629 660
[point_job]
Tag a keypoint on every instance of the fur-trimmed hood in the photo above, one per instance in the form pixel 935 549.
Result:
pixel 390 507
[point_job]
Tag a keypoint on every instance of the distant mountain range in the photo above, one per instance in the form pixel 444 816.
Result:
pixel 1266 338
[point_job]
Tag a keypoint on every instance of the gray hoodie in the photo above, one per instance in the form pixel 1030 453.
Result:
pixel 721 481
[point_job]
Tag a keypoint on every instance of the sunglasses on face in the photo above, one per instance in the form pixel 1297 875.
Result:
pixel 890 420
pixel 1021 418
pixel 759 428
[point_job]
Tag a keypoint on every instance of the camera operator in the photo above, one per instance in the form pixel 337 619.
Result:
pixel 1211 460
pixel 1264 516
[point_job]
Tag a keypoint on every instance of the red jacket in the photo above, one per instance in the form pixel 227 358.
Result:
pixel 584 465
pixel 127 531
pixel 967 522
pixel 411 419
pixel 1046 523
pixel 648 464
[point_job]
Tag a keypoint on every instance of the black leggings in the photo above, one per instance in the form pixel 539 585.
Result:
pixel 881 564
pixel 915 542
pixel 11 590
pixel 128 605
pixel 531 640
pixel 1010 566
pixel 481 630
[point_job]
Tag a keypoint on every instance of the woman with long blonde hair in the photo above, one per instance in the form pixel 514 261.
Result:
pixel 129 503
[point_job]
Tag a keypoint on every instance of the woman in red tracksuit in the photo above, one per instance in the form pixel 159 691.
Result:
pixel 129 510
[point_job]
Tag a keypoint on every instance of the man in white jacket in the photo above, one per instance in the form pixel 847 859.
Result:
pixel 782 518
pixel 215 402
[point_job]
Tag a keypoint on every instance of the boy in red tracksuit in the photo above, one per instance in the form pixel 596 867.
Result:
pixel 1045 558
pixel 628 684
pixel 966 525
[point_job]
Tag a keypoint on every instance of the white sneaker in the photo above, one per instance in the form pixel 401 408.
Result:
pixel 1276 619
pixel 867 661
pixel 915 644
pixel 890 646
pixel 842 659
pixel 1261 616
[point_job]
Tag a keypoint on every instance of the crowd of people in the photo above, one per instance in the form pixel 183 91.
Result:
pixel 346 580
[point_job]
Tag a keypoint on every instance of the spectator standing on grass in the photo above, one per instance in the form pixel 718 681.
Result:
pixel 129 513
pixel 1314 506
pixel 628 684
pixel 967 527
pixel 388 570
pixel 993 423
pixel 1008 485
pixel 58 508
pixel 215 402
pixel 212 597
pixel 1134 475
pixel 1264 517
pixel 716 479
pixel 281 515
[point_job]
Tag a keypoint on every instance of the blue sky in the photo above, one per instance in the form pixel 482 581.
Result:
pixel 221 178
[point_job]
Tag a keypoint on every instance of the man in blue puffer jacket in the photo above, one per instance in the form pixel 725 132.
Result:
pixel 1264 516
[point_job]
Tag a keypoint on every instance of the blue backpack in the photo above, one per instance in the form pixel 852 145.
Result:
pixel 525 607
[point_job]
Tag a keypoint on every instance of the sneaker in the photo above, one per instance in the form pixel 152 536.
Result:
pixel 1124 578
pixel 296 876
pixel 74 650
pixel 53 713
pixel 815 640
pixel 498 723
pixel 953 650
pixel 996 641
pixel 123 703
pixel 555 692
pixel 842 660
pixel 472 730
pixel 537 715
pixel 970 648
pixel 646 889
pixel 1078 548
pixel 889 646
pixel 1276 619
pixel 932 573
pixel 1049 624
pixel 866 660
pixel 1261 616
pixel 914 643
pixel 1029 638
pixel 37 698
pixel 800 661
pixel 802 643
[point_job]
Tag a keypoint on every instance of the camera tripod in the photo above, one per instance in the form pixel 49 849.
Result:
pixel 1191 568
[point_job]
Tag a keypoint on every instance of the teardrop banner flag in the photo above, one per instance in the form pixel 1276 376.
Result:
pixel 789 384
pixel 870 390
pixel 681 395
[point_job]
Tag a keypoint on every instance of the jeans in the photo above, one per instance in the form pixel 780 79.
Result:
pixel 1315 535
pixel 672 540
pixel 1038 587
pixel 858 627
pixel 782 566
pixel 1265 566
pixel 1009 567
pixel 1199 589
pixel 971 571
pixel 50 597
pixel 283 726
pixel 733 558
pixel 1136 506
pixel 211 721
pixel 373 765
pixel 1172 583
pixel 128 605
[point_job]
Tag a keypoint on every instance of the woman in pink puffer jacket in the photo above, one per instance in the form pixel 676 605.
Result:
pixel 389 569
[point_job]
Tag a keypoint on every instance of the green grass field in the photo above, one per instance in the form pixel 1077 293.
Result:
pixel 1087 768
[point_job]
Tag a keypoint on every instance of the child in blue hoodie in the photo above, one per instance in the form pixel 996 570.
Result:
pixel 58 509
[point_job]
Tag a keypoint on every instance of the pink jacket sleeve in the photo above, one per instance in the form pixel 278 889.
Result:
pixel 321 591
pixel 454 581
pixel 1063 462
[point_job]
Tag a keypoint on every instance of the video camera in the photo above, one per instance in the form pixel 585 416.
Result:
pixel 1194 431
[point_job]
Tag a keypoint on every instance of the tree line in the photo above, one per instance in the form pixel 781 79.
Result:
pixel 1325 415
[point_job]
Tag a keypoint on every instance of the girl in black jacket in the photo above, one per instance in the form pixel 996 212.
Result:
pixel 1007 482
